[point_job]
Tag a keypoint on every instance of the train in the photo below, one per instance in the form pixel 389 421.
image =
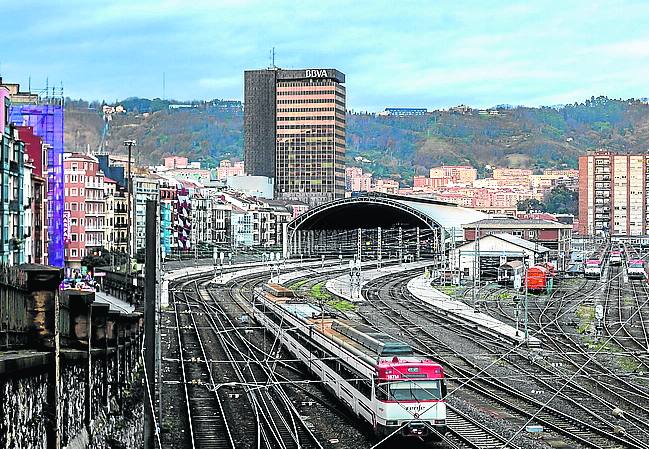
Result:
pixel 615 257
pixel 539 278
pixel 594 264
pixel 636 267
pixel 379 378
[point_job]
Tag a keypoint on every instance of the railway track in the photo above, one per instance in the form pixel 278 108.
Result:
pixel 259 390
pixel 587 382
pixel 574 428
pixel 207 423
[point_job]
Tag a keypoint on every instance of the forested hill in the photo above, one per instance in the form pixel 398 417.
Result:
pixel 391 146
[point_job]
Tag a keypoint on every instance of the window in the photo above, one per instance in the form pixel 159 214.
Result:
pixel 73 221
pixel 73 237
pixel 73 252
pixel 73 192
pixel 73 206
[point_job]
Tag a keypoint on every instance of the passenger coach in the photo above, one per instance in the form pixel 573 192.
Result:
pixel 376 376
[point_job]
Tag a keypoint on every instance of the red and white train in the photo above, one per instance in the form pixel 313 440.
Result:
pixel 376 376
pixel 636 267
pixel 594 264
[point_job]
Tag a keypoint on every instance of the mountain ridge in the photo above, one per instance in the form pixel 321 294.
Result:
pixel 396 147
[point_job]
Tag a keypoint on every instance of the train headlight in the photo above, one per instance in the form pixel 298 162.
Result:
pixel 440 422
pixel 391 422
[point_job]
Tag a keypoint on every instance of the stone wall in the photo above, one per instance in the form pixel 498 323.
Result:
pixel 22 412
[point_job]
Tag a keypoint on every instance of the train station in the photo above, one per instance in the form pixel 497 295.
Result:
pixel 376 226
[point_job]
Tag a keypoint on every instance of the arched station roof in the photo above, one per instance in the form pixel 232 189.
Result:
pixel 373 210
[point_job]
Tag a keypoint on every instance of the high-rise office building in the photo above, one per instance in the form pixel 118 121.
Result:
pixel 294 131
pixel 613 194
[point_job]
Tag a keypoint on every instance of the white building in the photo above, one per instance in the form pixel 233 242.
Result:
pixel 492 251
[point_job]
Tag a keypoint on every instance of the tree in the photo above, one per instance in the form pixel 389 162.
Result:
pixel 562 200
pixel 103 258
pixel 530 205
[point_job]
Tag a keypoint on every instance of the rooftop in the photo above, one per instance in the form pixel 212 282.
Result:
pixel 535 247
pixel 515 223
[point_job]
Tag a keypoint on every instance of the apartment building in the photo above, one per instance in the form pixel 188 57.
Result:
pixel 12 174
pixel 85 208
pixel 356 180
pixel 458 174
pixel 613 194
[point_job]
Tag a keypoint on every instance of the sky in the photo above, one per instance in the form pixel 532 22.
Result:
pixel 433 54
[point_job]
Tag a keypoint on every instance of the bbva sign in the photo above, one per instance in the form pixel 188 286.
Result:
pixel 316 73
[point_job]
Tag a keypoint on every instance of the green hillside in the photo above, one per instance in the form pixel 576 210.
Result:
pixel 396 147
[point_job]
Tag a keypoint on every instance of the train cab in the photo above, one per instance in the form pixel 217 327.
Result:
pixel 410 391
pixel 593 268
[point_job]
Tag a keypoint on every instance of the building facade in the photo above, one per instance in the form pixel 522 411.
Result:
pixel 85 208
pixel 36 198
pixel 294 132
pixel 613 196
pixel 12 167
pixel 458 174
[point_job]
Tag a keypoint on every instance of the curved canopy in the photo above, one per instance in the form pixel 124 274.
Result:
pixel 375 210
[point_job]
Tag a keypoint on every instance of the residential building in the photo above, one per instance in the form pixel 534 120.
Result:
pixel 242 227
pixel 45 116
pixel 228 168
pixel 200 175
pixel 259 186
pixel 35 194
pixel 508 173
pixel 220 221
pixel 613 196
pixel 294 132
pixel 168 207
pixel 12 174
pixel 422 181
pixel 551 234
pixel 120 202
pixel 458 174
pixel 356 180
pixel 386 186
pixel 85 206
pixel 175 162
pixel 110 186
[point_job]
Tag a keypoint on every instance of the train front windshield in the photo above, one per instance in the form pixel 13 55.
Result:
pixel 425 390
pixel 636 265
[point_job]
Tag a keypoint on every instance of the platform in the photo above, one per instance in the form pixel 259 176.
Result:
pixel 114 304
pixel 293 275
pixel 341 285
pixel 421 289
